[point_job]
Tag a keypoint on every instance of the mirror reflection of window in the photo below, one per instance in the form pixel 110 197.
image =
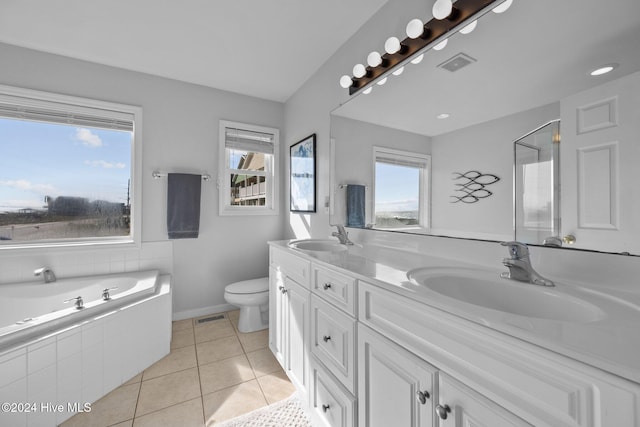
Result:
pixel 401 196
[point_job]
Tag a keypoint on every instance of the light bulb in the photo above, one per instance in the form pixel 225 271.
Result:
pixel 603 70
pixel 368 90
pixel 502 7
pixel 418 59
pixel 415 28
pixel 382 81
pixel 467 29
pixel 345 81
pixel 359 71
pixel 392 45
pixel 374 59
pixel 441 45
pixel 442 9
pixel 398 71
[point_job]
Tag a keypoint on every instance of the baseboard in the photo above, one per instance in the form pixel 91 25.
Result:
pixel 197 312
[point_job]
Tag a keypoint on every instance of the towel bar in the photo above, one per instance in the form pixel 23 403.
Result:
pixel 158 175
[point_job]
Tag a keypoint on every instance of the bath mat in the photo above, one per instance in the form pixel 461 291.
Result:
pixel 286 413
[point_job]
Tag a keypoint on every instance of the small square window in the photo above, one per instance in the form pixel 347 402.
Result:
pixel 248 165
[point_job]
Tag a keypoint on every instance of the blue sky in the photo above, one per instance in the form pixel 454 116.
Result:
pixel 397 188
pixel 42 159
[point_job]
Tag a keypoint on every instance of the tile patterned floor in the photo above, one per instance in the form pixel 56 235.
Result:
pixel 212 374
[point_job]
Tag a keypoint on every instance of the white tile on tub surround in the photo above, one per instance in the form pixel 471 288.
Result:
pixel 13 366
pixel 41 354
pixel 69 343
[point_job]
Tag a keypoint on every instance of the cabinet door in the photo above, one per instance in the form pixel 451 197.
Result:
pixel 395 387
pixel 297 331
pixel 277 315
pixel 459 406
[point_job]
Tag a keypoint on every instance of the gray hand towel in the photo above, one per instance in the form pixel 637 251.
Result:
pixel 355 205
pixel 183 205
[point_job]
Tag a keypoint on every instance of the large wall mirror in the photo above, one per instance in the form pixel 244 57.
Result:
pixel 433 150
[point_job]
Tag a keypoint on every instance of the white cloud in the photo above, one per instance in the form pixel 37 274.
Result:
pixel 88 138
pixel 104 164
pixel 22 184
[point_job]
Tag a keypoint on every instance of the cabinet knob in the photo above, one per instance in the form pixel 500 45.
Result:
pixel 327 286
pixel 325 408
pixel 326 338
pixel 423 396
pixel 282 289
pixel 443 411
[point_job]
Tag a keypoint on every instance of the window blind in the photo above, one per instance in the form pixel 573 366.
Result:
pixel 400 160
pixel 251 141
pixel 23 108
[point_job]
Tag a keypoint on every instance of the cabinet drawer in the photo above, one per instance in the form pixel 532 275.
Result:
pixel 333 340
pixel 292 266
pixel 331 405
pixel 541 387
pixel 338 289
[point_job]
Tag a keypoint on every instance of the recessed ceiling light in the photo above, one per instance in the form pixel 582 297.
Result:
pixel 603 70
pixel 443 116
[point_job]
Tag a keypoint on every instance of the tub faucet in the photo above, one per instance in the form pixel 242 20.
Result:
pixel 519 265
pixel 342 235
pixel 45 272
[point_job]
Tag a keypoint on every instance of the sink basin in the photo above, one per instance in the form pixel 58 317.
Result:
pixel 487 289
pixel 318 245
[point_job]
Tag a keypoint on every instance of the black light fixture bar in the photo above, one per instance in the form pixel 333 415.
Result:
pixel 463 10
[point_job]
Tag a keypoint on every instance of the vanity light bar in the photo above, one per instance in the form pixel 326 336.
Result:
pixel 435 31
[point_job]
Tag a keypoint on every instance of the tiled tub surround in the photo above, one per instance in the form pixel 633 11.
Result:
pixel 59 371
pixel 17 265
pixel 213 373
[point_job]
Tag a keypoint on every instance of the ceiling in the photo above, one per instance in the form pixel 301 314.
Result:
pixel 266 49
pixel 534 54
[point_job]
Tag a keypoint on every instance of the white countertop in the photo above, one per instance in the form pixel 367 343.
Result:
pixel 611 343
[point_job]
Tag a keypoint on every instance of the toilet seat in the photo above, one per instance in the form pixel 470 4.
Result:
pixel 252 286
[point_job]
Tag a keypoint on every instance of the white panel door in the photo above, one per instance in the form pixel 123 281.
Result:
pixel 599 160
pixel 395 387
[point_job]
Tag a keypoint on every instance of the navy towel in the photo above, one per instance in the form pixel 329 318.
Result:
pixel 355 205
pixel 183 205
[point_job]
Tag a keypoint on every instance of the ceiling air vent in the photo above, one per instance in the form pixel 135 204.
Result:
pixel 456 62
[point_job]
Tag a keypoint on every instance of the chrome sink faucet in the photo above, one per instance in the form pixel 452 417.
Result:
pixel 519 265
pixel 342 235
pixel 45 272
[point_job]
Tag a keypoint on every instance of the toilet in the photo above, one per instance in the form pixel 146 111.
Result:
pixel 252 296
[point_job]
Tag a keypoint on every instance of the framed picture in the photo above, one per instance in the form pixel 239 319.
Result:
pixel 302 177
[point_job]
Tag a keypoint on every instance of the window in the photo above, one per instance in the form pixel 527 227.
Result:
pixel 401 195
pixel 249 159
pixel 66 170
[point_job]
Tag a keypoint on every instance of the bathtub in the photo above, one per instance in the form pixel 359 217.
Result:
pixel 52 353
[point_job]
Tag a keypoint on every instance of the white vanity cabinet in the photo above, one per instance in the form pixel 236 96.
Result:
pixel 368 354
pixel 289 305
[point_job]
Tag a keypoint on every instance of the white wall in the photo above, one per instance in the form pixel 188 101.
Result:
pixel 180 133
pixel 487 148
